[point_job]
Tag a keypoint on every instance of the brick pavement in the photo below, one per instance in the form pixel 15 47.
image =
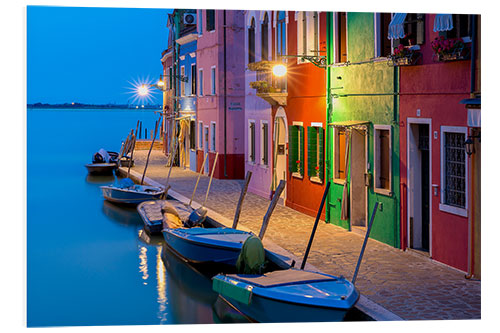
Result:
pixel 409 285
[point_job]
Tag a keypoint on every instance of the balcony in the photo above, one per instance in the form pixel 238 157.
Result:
pixel 270 88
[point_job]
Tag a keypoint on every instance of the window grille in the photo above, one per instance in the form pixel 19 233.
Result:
pixel 455 177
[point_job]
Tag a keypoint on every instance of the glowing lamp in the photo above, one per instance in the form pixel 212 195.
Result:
pixel 143 90
pixel 279 70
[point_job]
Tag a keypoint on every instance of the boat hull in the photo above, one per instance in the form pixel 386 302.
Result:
pixel 220 245
pixel 300 300
pixel 101 168
pixel 135 195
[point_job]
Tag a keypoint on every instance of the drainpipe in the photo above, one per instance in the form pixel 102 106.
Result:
pixel 225 100
pixel 328 109
pixel 471 173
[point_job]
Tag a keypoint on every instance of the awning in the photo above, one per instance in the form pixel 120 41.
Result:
pixel 443 22
pixel 396 28
pixel 349 123
pixel 471 101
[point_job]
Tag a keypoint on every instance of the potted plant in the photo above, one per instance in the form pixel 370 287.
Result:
pixel 403 56
pixel 449 49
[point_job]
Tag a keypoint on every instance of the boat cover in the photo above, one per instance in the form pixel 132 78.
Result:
pixel 125 183
pixel 252 258
pixel 101 156
pixel 282 278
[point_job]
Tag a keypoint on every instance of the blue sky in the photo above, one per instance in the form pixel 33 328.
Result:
pixel 92 55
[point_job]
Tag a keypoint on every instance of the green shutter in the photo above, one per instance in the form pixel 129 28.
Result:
pixel 311 151
pixel 301 143
pixel 292 148
pixel 321 153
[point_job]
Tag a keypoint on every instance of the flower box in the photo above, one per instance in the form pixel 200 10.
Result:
pixel 404 56
pixel 449 49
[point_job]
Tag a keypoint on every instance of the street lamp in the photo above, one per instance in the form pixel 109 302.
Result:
pixel 279 70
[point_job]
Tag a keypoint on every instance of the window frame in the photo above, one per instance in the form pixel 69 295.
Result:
pixel 200 141
pixel 251 41
pixel 200 82
pixel 193 79
pixel 300 149
pixel 192 135
pixel 264 143
pixel 442 205
pixel 337 32
pixel 320 153
pixel 381 35
pixel 376 161
pixel 252 139
pixel 336 157
pixel 213 142
pixel 213 79
pixel 264 37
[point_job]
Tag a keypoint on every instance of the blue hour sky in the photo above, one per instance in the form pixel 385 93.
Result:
pixel 92 55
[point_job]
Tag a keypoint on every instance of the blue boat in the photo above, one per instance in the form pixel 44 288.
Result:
pixel 290 295
pixel 130 193
pixel 199 245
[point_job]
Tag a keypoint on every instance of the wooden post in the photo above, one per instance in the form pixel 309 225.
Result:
pixel 169 171
pixel 240 201
pixel 211 177
pixel 315 225
pixel 140 130
pixel 364 243
pixel 149 153
pixel 270 210
pixel 199 175
pixel 133 148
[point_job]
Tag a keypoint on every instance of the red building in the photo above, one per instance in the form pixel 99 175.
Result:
pixel 435 166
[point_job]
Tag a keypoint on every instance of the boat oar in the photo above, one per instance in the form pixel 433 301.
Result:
pixel 149 153
pixel 240 201
pixel 199 176
pixel 270 210
pixel 198 216
pixel 364 243
pixel 169 171
pixel 315 225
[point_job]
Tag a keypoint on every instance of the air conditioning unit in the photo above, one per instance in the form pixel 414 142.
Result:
pixel 189 19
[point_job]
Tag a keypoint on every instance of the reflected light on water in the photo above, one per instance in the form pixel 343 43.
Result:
pixel 161 287
pixel 143 265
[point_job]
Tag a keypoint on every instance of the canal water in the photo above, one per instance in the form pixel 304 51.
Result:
pixel 89 262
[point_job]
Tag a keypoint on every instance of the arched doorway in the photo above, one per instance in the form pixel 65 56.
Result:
pixel 280 140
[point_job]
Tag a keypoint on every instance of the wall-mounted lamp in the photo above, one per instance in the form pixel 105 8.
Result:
pixel 469 144
pixel 279 70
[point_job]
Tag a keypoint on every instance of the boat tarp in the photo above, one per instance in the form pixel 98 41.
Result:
pixel 125 183
pixel 282 277
pixel 228 289
pixel 252 258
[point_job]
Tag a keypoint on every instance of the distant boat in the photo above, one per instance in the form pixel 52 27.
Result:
pixel 129 193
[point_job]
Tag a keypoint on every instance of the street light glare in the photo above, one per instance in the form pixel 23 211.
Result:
pixel 279 70
pixel 143 90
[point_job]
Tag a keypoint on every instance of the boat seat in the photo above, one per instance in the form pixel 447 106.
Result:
pixel 282 277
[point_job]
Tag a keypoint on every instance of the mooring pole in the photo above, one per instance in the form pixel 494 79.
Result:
pixel 315 226
pixel 270 210
pixel 364 242
pixel 240 201
pixel 149 153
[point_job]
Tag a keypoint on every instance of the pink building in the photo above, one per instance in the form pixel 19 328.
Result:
pixel 258 112
pixel 221 91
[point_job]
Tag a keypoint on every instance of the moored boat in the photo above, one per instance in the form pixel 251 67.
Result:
pixel 290 295
pixel 101 168
pixel 129 193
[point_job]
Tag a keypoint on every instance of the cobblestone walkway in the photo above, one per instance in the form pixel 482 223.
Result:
pixel 407 284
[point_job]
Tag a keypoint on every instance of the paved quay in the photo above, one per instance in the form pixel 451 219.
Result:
pixel 394 283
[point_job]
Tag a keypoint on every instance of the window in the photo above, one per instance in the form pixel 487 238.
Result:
pixel 192 134
pixel 170 78
pixel 453 170
pixel 200 22
pixel 382 159
pixel 281 34
pixel 315 165
pixel 462 27
pixel 193 79
pixel 264 38
pixel 341 38
pixel 264 143
pixel 251 42
pixel 201 83
pixel 200 143
pixel 213 136
pixel 183 84
pixel 296 150
pixel 210 17
pixel 340 166
pixel 414 28
pixel 251 141
pixel 382 43
pixel 213 80
pixel 307 34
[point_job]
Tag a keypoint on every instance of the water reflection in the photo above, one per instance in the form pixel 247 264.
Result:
pixel 161 287
pixel 125 215
pixel 100 179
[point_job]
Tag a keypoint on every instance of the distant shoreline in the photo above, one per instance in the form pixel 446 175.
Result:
pixel 92 106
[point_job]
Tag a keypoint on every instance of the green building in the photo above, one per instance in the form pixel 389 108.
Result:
pixel 362 159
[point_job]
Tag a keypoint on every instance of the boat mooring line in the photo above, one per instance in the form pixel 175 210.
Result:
pixel 364 304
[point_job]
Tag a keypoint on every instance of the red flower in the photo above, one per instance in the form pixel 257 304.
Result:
pixel 317 168
pixel 298 162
